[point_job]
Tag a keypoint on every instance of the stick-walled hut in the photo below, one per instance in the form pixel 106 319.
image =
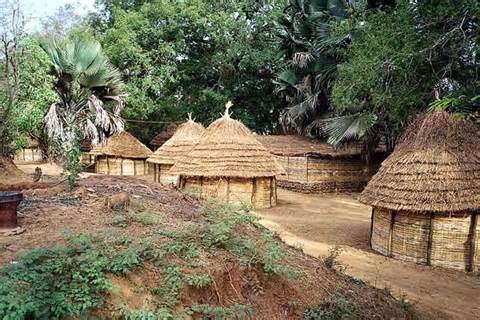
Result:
pixel 426 195
pixel 122 154
pixel 314 166
pixel 185 138
pixel 230 164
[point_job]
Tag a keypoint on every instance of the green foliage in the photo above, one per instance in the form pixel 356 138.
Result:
pixel 198 281
pixel 193 56
pixel 331 260
pixel 158 314
pixel 400 58
pixel 54 283
pixel 149 218
pixel 336 308
pixel 89 93
pixel 171 285
pixel 236 311
pixel 73 161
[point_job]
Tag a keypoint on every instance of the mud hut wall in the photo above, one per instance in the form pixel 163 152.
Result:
pixel 264 192
pixel 258 192
pixel 161 173
pixel 444 240
pixel 120 166
pixel 29 155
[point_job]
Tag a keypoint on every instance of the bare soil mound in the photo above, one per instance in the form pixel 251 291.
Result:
pixel 12 178
pixel 166 256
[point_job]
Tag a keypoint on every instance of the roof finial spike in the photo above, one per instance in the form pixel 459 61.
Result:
pixel 228 105
pixel 189 116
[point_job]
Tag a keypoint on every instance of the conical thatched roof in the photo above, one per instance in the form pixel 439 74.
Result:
pixel 185 138
pixel 434 168
pixel 163 136
pixel 228 149
pixel 124 145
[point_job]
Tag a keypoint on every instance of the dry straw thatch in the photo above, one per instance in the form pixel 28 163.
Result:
pixel 184 139
pixel 434 168
pixel 228 149
pixel 163 136
pixel 426 197
pixel 124 145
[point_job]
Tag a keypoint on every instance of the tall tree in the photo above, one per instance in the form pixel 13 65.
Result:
pixel 399 62
pixel 192 56
pixel 12 32
pixel 90 96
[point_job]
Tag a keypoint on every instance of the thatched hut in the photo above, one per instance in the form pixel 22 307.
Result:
pixel 163 136
pixel 230 164
pixel 122 154
pixel 31 153
pixel 86 157
pixel 312 166
pixel 185 138
pixel 426 195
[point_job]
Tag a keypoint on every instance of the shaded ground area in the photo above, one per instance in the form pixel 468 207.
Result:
pixel 174 243
pixel 316 223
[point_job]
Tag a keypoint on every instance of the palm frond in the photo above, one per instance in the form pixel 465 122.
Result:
pixel 344 128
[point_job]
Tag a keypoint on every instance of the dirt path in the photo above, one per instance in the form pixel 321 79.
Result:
pixel 318 222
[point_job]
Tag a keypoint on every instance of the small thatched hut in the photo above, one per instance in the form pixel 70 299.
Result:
pixel 31 153
pixel 185 138
pixel 314 166
pixel 122 154
pixel 230 164
pixel 163 136
pixel 426 195
pixel 86 158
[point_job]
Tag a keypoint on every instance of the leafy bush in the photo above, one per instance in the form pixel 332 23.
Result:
pixel 337 308
pixel 54 283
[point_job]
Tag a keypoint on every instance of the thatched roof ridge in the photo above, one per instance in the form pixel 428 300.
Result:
pixel 434 168
pixel 185 138
pixel 163 136
pixel 228 149
pixel 124 145
pixel 298 146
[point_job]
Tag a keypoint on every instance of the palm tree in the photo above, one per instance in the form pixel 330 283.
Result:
pixel 310 50
pixel 89 90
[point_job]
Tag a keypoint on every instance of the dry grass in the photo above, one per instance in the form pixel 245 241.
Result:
pixel 434 168
pixel 185 138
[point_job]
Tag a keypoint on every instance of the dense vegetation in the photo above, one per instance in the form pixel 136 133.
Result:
pixel 338 69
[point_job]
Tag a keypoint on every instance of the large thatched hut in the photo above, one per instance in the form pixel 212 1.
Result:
pixel 426 195
pixel 122 154
pixel 312 166
pixel 31 152
pixel 185 138
pixel 230 164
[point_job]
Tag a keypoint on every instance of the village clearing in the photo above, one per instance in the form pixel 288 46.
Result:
pixel 313 224
pixel 166 256
pixel 318 223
